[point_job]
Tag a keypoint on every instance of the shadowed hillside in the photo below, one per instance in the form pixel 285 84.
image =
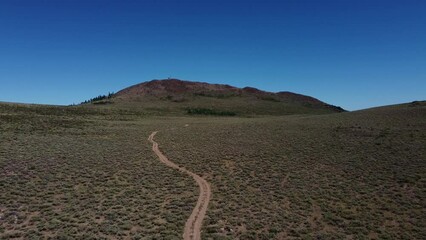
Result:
pixel 173 96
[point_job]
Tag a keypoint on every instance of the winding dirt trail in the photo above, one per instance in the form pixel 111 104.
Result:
pixel 192 230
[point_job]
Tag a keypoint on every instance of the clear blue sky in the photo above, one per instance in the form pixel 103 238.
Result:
pixel 355 54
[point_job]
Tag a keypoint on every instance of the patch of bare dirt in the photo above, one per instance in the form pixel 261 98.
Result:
pixel 192 230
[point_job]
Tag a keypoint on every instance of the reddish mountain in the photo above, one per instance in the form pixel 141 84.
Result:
pixel 186 94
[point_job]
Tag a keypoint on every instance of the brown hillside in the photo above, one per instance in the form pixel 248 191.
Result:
pixel 174 86
pixel 174 95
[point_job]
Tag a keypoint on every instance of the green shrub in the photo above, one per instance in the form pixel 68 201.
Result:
pixel 208 111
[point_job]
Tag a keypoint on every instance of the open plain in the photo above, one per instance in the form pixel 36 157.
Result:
pixel 84 172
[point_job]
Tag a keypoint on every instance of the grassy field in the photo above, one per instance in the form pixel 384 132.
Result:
pixel 87 172
pixel 79 174
pixel 352 175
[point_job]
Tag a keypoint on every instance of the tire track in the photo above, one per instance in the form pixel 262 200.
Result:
pixel 192 230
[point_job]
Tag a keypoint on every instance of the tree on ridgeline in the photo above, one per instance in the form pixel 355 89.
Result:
pixel 99 98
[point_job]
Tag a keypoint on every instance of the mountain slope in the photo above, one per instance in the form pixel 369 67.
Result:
pixel 177 96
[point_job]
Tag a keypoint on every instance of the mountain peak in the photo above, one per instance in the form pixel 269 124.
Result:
pixel 172 94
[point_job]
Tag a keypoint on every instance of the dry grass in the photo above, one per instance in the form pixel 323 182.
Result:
pixel 86 177
pixel 352 175
pixel 89 173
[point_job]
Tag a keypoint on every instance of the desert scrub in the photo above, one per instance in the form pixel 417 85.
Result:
pixel 209 111
pixel 81 172
pixel 309 176
pixel 83 176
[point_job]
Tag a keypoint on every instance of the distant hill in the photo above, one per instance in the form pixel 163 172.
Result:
pixel 178 96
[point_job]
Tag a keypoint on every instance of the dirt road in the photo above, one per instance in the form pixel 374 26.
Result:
pixel 192 230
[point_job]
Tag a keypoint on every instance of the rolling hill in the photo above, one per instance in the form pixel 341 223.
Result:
pixel 95 171
pixel 174 96
pixel 90 173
